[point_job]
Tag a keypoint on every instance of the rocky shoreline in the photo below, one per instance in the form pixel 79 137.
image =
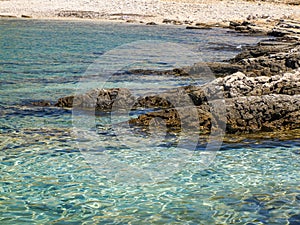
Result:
pixel 260 88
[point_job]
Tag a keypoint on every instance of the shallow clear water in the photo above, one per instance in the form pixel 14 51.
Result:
pixel 46 179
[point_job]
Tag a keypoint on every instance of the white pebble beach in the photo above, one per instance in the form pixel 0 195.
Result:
pixel 202 11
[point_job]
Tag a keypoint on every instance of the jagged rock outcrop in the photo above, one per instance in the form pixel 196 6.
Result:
pixel 252 104
pixel 269 58
pixel 239 85
pixel 98 99
pixel 235 85
pixel 243 115
pixel 259 89
pixel 263 113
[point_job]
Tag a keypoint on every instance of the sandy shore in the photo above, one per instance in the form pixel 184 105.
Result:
pixel 203 11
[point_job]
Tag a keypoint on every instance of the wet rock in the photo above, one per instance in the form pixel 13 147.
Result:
pixel 224 69
pixel 189 22
pixel 41 103
pixel 98 99
pixel 216 69
pixel 172 72
pixel 66 102
pixel 177 118
pixel 243 115
pixel 241 28
pixel 235 85
pixel 7 16
pixel 167 21
pixel 176 22
pixel 263 113
pixel 260 87
pixel 198 27
pixel 151 23
pixel 276 28
pixel 234 24
pixel 26 16
pixel 131 21
pixel 252 104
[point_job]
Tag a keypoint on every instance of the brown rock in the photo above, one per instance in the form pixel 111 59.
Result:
pixel 244 115
pixel 151 23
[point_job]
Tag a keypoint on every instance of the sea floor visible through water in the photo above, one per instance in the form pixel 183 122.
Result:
pixel 45 177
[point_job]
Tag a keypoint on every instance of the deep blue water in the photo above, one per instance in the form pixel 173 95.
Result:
pixel 47 176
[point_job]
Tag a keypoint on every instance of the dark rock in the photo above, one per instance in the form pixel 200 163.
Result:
pixel 131 21
pixel 176 118
pixel 151 23
pixel 244 115
pixel 224 69
pixel 260 88
pixel 241 28
pixel 168 21
pixel 199 69
pixel 26 16
pixel 173 72
pixel 177 22
pixel 42 103
pixel 65 102
pixel 7 16
pixel 252 104
pixel 189 22
pixel 263 113
pixel 247 23
pixel 98 99
pixel 234 24
pixel 269 58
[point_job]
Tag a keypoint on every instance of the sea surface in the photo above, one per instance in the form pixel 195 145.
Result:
pixel 46 177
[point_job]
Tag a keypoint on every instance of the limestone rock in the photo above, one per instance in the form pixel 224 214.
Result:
pixel 243 115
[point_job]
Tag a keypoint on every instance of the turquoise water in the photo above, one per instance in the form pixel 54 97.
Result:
pixel 46 179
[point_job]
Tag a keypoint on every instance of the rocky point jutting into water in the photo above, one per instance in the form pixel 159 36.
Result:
pixel 260 89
